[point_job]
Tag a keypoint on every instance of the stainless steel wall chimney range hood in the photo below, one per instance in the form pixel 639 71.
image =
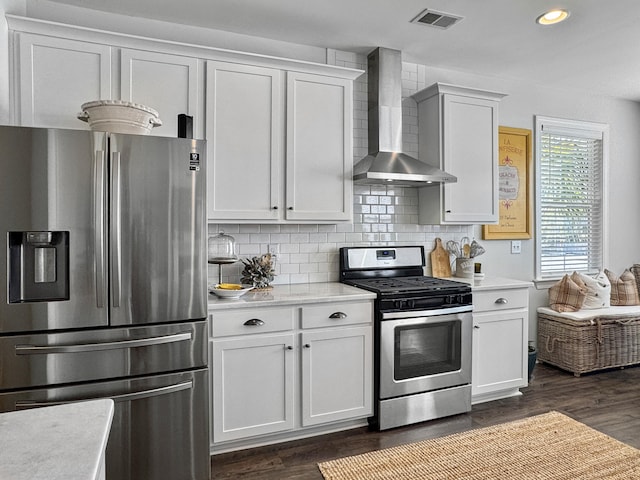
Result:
pixel 386 164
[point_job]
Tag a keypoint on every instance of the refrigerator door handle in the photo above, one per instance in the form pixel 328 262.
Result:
pixel 99 204
pixel 116 228
pixel 94 347
pixel 125 397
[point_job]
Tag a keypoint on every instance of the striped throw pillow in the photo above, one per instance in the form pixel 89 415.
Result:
pixel 624 290
pixel 567 295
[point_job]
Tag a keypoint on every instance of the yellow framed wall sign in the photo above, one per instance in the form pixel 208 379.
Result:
pixel 515 186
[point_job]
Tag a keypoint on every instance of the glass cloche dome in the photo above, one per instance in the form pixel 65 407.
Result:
pixel 221 249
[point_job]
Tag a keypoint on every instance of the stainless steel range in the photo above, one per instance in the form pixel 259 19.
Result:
pixel 423 330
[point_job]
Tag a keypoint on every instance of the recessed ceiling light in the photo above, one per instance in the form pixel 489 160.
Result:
pixel 551 17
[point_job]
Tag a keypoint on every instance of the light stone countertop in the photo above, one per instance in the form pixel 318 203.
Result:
pixel 492 283
pixel 294 294
pixel 61 442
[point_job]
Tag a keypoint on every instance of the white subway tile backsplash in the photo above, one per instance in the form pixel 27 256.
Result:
pixel 308 267
pixel 290 248
pixel 338 237
pixel 318 237
pixel 309 247
pixel 299 278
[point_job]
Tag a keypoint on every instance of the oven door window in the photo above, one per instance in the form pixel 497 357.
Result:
pixel 427 349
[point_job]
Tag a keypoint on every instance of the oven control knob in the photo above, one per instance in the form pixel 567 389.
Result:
pixel 411 303
pixel 397 304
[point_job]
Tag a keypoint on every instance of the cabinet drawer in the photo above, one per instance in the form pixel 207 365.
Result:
pixel 500 299
pixel 246 322
pixel 336 314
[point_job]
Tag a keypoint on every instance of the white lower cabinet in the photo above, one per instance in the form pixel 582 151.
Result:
pixel 289 369
pixel 336 374
pixel 253 389
pixel 500 338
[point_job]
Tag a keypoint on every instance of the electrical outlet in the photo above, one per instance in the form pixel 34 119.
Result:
pixel 273 248
pixel 516 246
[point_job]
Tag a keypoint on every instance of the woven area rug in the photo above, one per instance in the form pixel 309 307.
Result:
pixel 548 446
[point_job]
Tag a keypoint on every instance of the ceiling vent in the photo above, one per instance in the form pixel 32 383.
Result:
pixel 436 19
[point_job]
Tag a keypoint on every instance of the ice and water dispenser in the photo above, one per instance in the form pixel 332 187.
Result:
pixel 38 266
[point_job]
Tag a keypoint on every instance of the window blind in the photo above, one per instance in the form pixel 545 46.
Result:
pixel 570 199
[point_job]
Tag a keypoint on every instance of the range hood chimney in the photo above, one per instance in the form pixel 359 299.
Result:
pixel 386 164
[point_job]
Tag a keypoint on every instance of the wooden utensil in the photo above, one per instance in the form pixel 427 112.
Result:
pixel 440 266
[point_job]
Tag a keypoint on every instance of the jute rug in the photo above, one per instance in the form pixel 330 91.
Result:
pixel 548 446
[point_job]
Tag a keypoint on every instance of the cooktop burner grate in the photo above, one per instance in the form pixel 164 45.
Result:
pixel 418 284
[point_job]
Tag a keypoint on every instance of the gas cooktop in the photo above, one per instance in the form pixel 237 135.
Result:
pixel 410 284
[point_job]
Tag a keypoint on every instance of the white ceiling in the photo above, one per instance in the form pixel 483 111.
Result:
pixel 597 48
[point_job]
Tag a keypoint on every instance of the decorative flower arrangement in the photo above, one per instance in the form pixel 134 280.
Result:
pixel 258 271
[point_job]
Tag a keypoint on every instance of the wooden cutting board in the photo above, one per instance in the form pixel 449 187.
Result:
pixel 440 266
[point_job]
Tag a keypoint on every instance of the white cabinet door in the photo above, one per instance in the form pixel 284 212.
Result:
pixel 166 83
pixel 499 352
pixel 458 132
pixel 336 374
pixel 253 386
pixel 319 148
pixel 56 76
pixel 470 148
pixel 245 135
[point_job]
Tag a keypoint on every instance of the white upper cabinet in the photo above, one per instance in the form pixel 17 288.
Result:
pixel 319 156
pixel 55 76
pixel 245 118
pixel 280 145
pixel 164 82
pixel 458 132
pixel 58 75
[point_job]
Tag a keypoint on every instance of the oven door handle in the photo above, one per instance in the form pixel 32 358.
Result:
pixel 425 313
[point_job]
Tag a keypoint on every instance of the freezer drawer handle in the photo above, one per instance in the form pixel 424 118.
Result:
pixel 93 347
pixel 125 397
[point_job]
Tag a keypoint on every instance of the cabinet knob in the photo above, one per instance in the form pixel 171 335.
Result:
pixel 290 208
pixel 289 347
pixel 339 315
pixel 502 301
pixel 477 327
pixel 275 207
pixel 447 211
pixel 306 345
pixel 254 322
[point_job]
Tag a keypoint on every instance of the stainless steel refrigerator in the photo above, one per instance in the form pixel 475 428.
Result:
pixel 103 289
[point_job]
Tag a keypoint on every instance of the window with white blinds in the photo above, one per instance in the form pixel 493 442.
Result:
pixel 570 203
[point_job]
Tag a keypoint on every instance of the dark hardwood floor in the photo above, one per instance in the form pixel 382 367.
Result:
pixel 607 401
